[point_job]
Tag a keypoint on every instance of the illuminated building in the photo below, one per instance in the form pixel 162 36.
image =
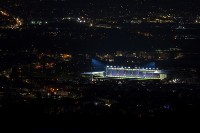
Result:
pixel 137 73
pixel 113 72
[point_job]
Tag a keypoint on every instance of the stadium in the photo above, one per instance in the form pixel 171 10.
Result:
pixel 137 73
pixel 117 72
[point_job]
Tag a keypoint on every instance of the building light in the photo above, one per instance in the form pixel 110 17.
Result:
pixel 91 24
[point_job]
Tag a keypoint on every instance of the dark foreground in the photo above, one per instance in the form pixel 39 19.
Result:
pixel 34 122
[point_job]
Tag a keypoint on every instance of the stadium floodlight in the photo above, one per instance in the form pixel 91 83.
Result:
pixel 129 67
pixel 107 66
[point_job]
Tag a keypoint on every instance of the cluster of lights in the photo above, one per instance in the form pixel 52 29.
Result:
pixel 130 68
pixel 19 22
pixel 117 67
pixel 38 22
pixel 80 20
pixel 4 13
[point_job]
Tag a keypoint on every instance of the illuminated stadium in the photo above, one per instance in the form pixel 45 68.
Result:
pixel 101 71
pixel 137 73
